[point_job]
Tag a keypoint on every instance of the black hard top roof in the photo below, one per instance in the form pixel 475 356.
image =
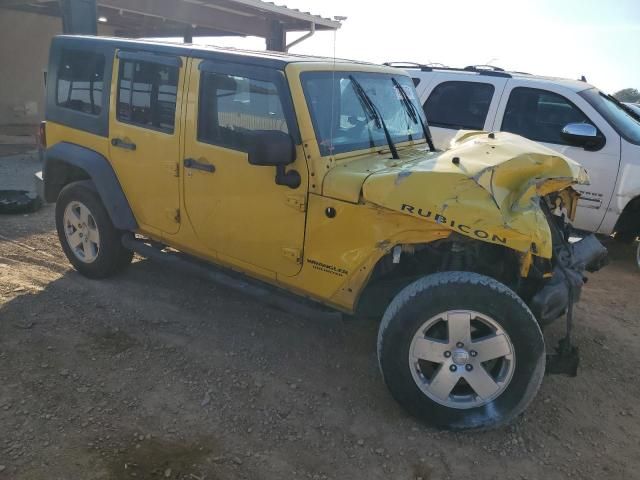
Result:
pixel 260 58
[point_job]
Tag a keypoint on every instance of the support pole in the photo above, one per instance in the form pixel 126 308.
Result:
pixel 276 40
pixel 188 34
pixel 79 17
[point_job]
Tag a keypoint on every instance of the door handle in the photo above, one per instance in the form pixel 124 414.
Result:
pixel 197 165
pixel 120 143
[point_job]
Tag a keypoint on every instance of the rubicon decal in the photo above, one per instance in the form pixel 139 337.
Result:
pixel 324 267
pixel 453 224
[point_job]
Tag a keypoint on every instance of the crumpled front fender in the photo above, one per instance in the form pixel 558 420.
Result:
pixel 487 186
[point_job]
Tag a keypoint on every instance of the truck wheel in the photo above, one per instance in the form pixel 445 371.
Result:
pixel 89 240
pixel 461 351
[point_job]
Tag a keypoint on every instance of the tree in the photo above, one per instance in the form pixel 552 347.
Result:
pixel 631 95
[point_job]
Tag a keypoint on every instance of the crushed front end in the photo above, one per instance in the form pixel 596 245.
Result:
pixel 509 203
pixel 573 255
pixel 562 287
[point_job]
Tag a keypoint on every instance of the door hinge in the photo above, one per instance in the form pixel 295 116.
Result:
pixel 293 254
pixel 177 170
pixel 298 202
pixel 177 216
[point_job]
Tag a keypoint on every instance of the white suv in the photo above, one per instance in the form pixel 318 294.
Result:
pixel 569 116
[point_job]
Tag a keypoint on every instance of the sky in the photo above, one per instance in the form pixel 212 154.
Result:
pixel 599 39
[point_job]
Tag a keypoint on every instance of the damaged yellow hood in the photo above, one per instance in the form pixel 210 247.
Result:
pixel 486 186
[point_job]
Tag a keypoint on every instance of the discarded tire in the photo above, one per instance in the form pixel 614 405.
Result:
pixel 18 201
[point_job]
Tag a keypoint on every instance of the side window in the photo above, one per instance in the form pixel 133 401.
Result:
pixel 80 81
pixel 231 107
pixel 540 115
pixel 459 105
pixel 147 94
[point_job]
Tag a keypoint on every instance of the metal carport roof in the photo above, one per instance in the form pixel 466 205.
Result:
pixel 191 18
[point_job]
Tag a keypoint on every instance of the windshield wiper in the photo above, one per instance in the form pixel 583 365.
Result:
pixel 415 116
pixel 374 113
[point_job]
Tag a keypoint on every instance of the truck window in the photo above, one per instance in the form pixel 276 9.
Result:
pixel 147 94
pixel 232 106
pixel 80 81
pixel 459 105
pixel 540 115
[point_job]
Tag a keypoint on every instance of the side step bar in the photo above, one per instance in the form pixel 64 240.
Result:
pixel 266 294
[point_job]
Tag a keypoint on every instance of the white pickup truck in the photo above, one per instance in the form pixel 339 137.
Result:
pixel 569 116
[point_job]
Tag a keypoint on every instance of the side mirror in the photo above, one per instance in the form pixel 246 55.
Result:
pixel 583 135
pixel 272 148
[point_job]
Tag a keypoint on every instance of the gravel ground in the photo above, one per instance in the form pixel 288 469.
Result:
pixel 156 374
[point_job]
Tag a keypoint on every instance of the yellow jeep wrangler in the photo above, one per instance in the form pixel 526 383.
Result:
pixel 318 177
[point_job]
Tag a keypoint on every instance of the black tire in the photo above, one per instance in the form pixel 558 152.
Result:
pixel 442 292
pixel 111 257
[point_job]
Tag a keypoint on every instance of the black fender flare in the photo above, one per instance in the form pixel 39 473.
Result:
pixel 64 158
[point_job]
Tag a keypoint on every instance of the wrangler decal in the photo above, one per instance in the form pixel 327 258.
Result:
pixel 323 267
pixel 442 220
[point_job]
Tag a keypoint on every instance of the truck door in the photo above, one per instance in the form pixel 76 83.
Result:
pixel 540 114
pixel 453 105
pixel 145 136
pixel 236 209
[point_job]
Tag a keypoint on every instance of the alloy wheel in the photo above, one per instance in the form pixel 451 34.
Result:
pixel 461 359
pixel 81 232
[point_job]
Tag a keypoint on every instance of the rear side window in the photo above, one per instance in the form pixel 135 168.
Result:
pixel 232 106
pixel 147 94
pixel 459 105
pixel 80 81
pixel 540 115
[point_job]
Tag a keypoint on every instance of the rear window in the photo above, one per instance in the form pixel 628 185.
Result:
pixel 459 105
pixel 80 81
pixel 147 94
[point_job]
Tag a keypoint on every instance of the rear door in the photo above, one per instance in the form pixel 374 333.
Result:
pixel 461 102
pixel 145 136
pixel 540 113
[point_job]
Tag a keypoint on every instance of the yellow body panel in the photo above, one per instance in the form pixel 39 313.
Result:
pixel 57 133
pixel 340 252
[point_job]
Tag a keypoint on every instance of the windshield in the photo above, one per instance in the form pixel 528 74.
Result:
pixel 614 113
pixel 346 124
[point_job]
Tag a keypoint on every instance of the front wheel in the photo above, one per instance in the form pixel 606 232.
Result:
pixel 461 351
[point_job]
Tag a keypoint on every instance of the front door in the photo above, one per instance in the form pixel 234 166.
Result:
pixel 145 136
pixel 540 115
pixel 236 209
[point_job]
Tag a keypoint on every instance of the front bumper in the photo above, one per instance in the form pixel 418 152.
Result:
pixel 565 286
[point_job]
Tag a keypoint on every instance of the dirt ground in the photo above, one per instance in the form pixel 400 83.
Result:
pixel 157 374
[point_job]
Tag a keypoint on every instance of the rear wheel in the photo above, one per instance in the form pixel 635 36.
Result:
pixel 90 241
pixel 461 351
